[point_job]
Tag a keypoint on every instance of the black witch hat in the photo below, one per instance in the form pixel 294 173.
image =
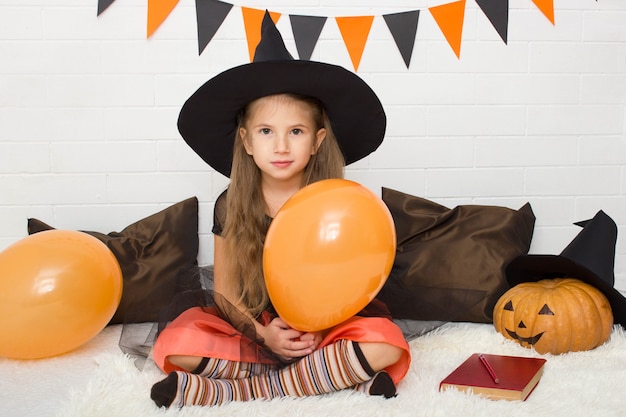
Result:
pixel 208 119
pixel 590 257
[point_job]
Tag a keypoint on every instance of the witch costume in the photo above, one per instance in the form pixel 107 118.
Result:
pixel 208 123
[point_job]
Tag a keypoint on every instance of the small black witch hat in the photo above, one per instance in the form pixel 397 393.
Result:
pixel 590 257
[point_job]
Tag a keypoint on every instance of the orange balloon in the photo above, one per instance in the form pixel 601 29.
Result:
pixel 58 289
pixel 327 253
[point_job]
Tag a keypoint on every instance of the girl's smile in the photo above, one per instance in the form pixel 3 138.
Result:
pixel 282 164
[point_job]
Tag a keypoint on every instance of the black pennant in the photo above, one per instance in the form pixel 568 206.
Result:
pixel 103 4
pixel 306 32
pixel 497 11
pixel 210 15
pixel 403 28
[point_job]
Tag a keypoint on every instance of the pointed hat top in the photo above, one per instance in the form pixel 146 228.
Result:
pixel 271 47
pixel 589 257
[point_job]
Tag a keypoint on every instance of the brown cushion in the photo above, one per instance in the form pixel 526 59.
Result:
pixel 157 256
pixel 450 263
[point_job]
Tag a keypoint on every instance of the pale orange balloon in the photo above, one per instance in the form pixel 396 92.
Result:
pixel 58 289
pixel 327 253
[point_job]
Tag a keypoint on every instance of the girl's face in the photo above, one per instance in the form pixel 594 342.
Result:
pixel 281 135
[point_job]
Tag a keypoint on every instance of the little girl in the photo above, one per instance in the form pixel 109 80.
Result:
pixel 273 126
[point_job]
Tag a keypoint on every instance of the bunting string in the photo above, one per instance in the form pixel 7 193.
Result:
pixel 449 17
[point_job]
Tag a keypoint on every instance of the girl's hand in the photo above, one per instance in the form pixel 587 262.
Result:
pixel 315 337
pixel 288 342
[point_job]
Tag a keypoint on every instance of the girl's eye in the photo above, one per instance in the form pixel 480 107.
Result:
pixel 265 131
pixel 296 132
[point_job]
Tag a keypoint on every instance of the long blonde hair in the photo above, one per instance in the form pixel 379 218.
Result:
pixel 247 222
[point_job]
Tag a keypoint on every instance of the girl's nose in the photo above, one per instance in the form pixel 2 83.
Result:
pixel 281 144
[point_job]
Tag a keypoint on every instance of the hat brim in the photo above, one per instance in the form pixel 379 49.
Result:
pixel 207 120
pixel 532 268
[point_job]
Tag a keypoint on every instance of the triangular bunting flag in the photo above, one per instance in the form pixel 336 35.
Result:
pixel 103 4
pixel 403 28
pixel 158 10
pixel 497 11
pixel 210 15
pixel 547 8
pixel 252 19
pixel 354 31
pixel 306 32
pixel 449 18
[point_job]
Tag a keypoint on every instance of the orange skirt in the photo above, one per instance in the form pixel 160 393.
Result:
pixel 200 332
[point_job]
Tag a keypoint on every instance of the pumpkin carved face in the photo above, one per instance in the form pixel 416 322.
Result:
pixel 554 315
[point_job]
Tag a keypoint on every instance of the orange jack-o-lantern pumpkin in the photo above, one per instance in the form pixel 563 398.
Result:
pixel 554 315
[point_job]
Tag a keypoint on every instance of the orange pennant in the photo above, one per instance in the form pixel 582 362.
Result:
pixel 252 20
pixel 355 30
pixel 158 10
pixel 450 17
pixel 547 8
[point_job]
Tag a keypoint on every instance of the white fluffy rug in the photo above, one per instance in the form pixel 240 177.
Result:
pixel 574 384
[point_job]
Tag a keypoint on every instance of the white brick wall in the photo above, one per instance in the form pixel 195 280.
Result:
pixel 88 111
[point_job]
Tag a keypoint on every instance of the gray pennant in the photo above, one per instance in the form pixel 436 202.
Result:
pixel 210 15
pixel 403 28
pixel 497 11
pixel 306 32
pixel 103 4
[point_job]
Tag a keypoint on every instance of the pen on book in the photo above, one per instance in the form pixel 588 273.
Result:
pixel 489 368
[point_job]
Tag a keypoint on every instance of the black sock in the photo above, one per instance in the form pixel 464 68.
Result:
pixel 383 385
pixel 163 393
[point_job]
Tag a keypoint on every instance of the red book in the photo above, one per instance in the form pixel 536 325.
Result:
pixel 517 376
